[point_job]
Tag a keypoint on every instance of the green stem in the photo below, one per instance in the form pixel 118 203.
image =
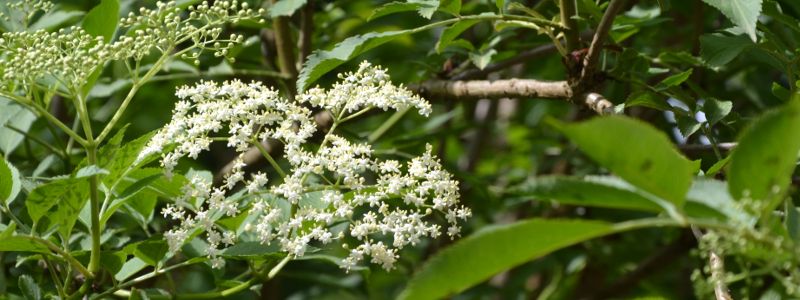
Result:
pixel 46 114
pixel 375 135
pixel 568 11
pixel 66 256
pixel 144 277
pixel 269 158
pixel 94 259
pixel 132 92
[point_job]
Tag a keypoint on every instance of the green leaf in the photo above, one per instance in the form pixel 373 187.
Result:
pixel 673 80
pixel 688 125
pixel 636 152
pixel 716 110
pixel 716 167
pixel 29 288
pixel 102 19
pixel 781 92
pixel 285 7
pixel 762 163
pixel 483 58
pixel 596 193
pixel 397 7
pixel 131 267
pixel 743 13
pixel 21 244
pixel 54 19
pixel 321 62
pixel 501 5
pixel 498 248
pixel 452 7
pixel 151 251
pixel 718 50
pixel 15 116
pixel 9 182
pixel 67 191
pixel 647 99
pixel 714 194
pixel 450 33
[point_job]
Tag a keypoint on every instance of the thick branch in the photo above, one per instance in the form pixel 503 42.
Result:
pixel 494 89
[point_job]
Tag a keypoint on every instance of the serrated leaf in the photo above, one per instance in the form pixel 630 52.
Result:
pixel 716 110
pixel 450 33
pixel 29 288
pixel 743 13
pixel 718 50
pixel 67 193
pixel 499 248
pixel 9 182
pixel 285 7
pixel 636 152
pixel 397 7
pixel 687 125
pixel 321 62
pixel 763 161
pixel 482 59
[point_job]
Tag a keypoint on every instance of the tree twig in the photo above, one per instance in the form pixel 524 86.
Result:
pixel 599 38
pixel 306 31
pixel 285 48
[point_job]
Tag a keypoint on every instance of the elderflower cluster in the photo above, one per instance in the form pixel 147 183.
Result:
pixel 336 192
pixel 367 87
pixel 67 57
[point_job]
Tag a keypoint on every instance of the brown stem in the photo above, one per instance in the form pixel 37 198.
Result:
pixel 285 48
pixel 599 38
pixel 306 31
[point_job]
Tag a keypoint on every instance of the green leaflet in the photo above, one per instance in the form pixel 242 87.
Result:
pixel 497 248
pixel 743 13
pixel 636 152
pixel 762 164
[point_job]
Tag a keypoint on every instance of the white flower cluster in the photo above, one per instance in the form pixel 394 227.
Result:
pixel 387 204
pixel 367 87
pixel 67 57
